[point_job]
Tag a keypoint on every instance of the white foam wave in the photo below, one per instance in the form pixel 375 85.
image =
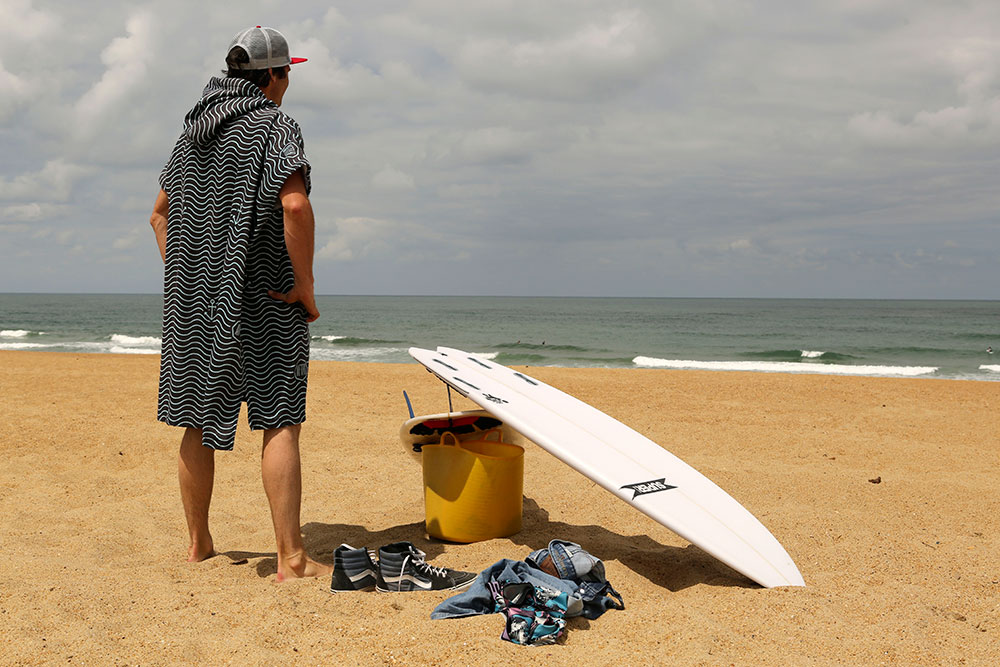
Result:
pixel 356 353
pixel 14 333
pixel 990 367
pixel 122 339
pixel 84 346
pixel 329 339
pixel 100 347
pixel 488 356
pixel 117 349
pixel 812 354
pixel 22 346
pixel 782 367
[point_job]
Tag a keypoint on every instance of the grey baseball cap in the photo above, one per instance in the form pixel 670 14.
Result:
pixel 266 47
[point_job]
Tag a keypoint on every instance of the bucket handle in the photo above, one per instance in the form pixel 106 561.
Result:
pixel 485 436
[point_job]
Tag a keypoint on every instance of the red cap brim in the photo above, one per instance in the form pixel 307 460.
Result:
pixel 296 61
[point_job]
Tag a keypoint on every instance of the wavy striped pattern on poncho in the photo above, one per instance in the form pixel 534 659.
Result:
pixel 225 341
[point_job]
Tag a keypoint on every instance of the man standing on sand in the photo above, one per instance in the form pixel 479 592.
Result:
pixel 235 230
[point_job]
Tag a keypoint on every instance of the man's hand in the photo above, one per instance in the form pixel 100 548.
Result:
pixel 296 295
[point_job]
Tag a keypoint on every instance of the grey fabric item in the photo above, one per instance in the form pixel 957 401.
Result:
pixel 581 577
pixel 477 599
pixel 573 562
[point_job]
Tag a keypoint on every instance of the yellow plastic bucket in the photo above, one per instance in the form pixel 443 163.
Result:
pixel 473 489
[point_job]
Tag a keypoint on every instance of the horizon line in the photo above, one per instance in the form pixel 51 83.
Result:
pixel 553 296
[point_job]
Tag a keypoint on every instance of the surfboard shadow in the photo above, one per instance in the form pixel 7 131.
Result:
pixel 670 567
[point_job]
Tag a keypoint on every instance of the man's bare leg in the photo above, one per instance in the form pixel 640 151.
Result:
pixel 282 474
pixel 196 471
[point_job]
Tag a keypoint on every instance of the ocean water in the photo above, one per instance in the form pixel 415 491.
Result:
pixel 942 339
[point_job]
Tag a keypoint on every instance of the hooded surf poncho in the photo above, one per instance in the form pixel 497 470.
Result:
pixel 225 340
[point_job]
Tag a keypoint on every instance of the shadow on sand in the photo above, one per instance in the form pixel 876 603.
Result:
pixel 669 567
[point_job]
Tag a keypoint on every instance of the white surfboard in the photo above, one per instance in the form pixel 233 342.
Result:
pixel 627 464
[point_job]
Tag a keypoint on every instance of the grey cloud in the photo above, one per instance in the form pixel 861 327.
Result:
pixel 21 21
pixel 589 146
pixel 31 212
pixel 594 61
pixel 390 178
pixel 53 182
pixel 125 61
pixel 484 146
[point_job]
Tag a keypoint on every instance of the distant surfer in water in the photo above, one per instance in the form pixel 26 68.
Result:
pixel 989 349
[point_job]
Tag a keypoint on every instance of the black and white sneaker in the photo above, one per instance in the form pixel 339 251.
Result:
pixel 403 569
pixel 353 570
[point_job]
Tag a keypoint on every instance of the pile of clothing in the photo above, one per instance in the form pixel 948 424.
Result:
pixel 538 594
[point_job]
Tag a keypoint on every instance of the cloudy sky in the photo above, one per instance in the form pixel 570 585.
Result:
pixel 847 148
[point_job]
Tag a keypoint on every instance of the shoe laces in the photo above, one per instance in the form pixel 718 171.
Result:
pixel 416 558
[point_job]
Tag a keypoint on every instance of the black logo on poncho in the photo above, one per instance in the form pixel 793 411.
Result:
pixel 652 486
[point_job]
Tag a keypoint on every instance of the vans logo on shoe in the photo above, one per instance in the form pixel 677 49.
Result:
pixel 652 486
pixel 364 574
pixel 422 583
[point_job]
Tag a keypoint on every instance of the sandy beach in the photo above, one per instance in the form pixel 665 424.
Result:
pixel 903 571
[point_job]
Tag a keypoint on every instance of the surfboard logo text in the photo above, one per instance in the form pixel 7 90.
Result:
pixel 652 486
pixel 495 399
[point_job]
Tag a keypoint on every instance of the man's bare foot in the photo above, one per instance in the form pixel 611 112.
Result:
pixel 198 552
pixel 299 565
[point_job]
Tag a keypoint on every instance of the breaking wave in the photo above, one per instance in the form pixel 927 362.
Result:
pixel 127 341
pixel 381 354
pixel 351 341
pixel 783 367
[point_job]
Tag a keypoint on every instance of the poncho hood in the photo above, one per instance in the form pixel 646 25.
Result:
pixel 223 100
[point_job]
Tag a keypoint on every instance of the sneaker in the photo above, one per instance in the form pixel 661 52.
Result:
pixel 403 568
pixel 353 570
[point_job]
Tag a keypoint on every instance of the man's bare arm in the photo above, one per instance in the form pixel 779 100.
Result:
pixel 300 232
pixel 158 220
